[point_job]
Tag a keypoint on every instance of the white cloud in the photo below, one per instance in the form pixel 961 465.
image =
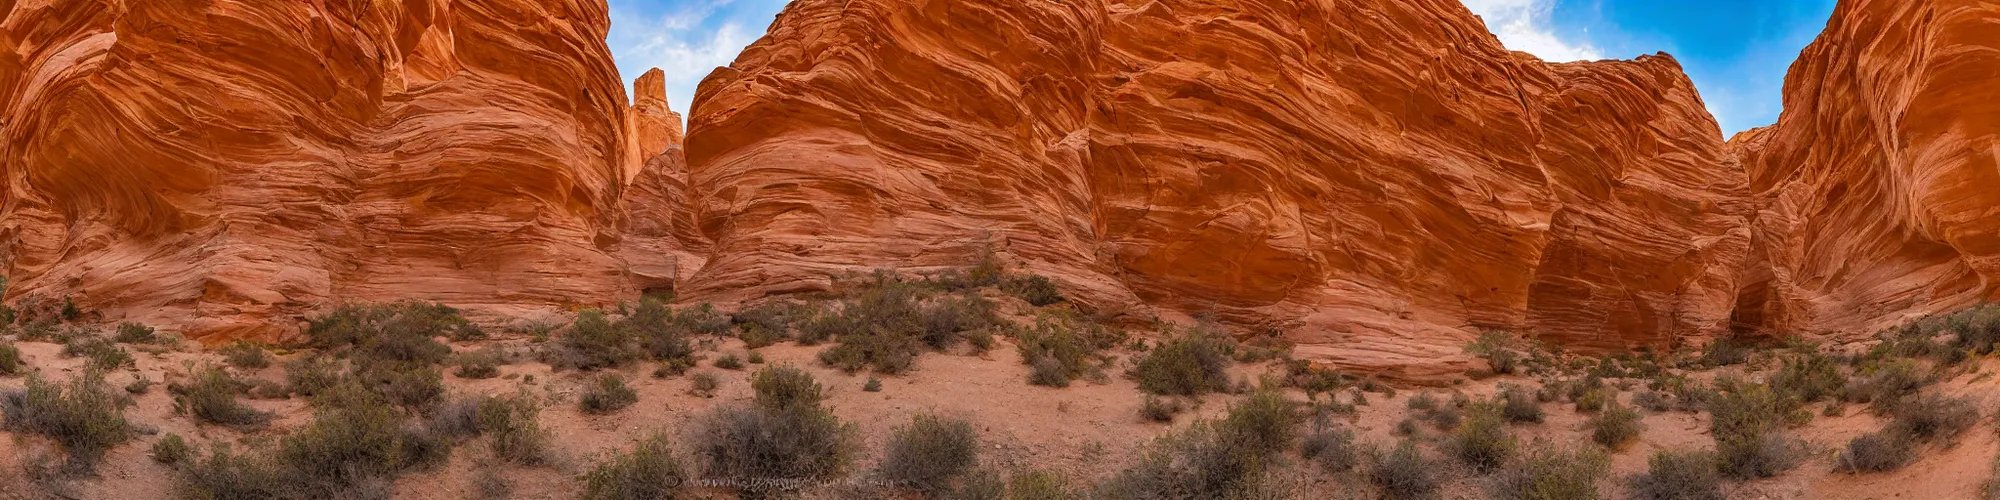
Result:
pixel 687 44
pixel 1525 25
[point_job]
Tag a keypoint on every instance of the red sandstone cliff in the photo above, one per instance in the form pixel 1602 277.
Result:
pixel 1878 190
pixel 219 166
pixel 1377 179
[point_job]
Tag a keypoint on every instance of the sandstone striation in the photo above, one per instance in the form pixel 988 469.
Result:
pixel 223 166
pixel 1377 179
pixel 1878 191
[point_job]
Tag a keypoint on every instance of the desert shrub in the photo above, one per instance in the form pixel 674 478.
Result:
pixel 1551 473
pixel 1725 352
pixel 1038 485
pixel 1159 409
pixel 1191 364
pixel 658 334
pixel 139 385
pixel 1265 421
pixel 267 389
pixel 930 452
pixel 172 450
pixel 1036 290
pixel 1748 427
pixel 356 443
pixel 1518 405
pixel 242 354
pixel 1332 447
pixel 134 333
pixel 1405 474
pixel 703 384
pixel 414 388
pixel 1884 384
pixel 947 320
pixel 786 388
pixel 775 316
pixel 1809 376
pixel 10 359
pixel 1591 401
pixel 211 398
pixel 1652 401
pixel 591 343
pixel 1444 417
pixel 873 385
pixel 310 375
pixel 1497 348
pixel 514 424
pixel 821 326
pixel 1932 417
pixel 1202 461
pixel 1678 476
pixel 703 319
pixel 103 354
pixel 1616 425
pixel 1048 371
pixel 982 484
pixel 226 475
pixel 1482 442
pixel 480 364
pixel 1423 401
pixel 729 362
pixel 608 395
pixel 763 442
pixel 1879 451
pixel 83 416
pixel 649 472
pixel 360 325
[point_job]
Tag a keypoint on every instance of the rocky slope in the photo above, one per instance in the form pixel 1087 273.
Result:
pixel 222 166
pixel 1878 190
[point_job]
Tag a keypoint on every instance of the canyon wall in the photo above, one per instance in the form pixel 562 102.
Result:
pixel 1877 193
pixel 1378 180
pixel 222 166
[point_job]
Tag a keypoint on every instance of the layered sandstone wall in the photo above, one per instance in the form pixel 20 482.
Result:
pixel 221 166
pixel 1876 191
pixel 1378 179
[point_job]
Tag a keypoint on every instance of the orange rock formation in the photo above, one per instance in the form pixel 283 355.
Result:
pixel 1377 179
pixel 1878 190
pixel 224 166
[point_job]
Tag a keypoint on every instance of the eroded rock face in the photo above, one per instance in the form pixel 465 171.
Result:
pixel 224 165
pixel 1378 179
pixel 1877 189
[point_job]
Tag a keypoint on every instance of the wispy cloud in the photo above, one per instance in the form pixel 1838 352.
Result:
pixel 1525 25
pixel 685 39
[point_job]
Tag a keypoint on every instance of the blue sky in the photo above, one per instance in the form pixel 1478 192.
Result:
pixel 1736 51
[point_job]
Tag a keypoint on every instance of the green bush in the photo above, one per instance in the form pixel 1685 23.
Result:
pixel 658 334
pixel 1059 349
pixel 172 450
pixel 1678 476
pixel 10 359
pixel 592 343
pixel 1191 364
pixel 1748 426
pixel 1482 442
pixel 704 319
pixel 873 385
pixel 1932 417
pixel 246 355
pixel 729 362
pixel 762 442
pixel 1423 401
pixel 1332 447
pixel 354 447
pixel 414 388
pixel 1880 451
pixel 103 354
pixel 134 333
pixel 1652 401
pixel 310 375
pixel 481 364
pixel 211 398
pixel 703 384
pixel 1809 376
pixel 83 417
pixel 514 423
pixel 1592 400
pixel 786 388
pixel 1725 352
pixel 649 472
pixel 929 453
pixel 226 475
pixel 1498 350
pixel 362 324
pixel 1884 384
pixel 1036 290
pixel 1265 421
pixel 1405 474
pixel 1038 485
pixel 1518 405
pixel 1550 473
pixel 1616 425
pixel 1158 409
pixel 1202 461
pixel 608 395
